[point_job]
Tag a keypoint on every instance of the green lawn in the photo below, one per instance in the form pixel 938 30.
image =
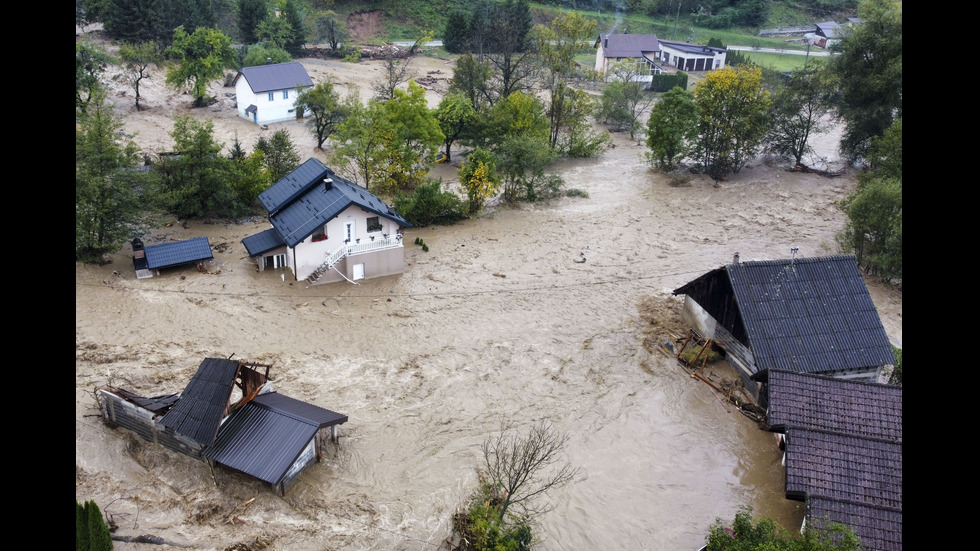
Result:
pixel 779 62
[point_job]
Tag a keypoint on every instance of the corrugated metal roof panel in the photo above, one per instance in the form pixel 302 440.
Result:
pixel 198 413
pixel 276 76
pixel 166 255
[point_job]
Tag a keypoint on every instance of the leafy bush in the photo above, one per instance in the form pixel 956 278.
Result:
pixel 896 376
pixel 480 528
pixel 91 531
pixel 429 204
pixel 665 82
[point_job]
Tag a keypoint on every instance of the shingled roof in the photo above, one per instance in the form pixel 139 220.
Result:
pixel 310 196
pixel 809 315
pixel 855 408
pixel 628 45
pixel 843 452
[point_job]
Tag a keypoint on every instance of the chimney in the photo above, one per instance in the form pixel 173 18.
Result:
pixel 735 258
pixel 327 184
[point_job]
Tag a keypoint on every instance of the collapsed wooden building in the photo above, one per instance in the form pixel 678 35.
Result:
pixel 230 415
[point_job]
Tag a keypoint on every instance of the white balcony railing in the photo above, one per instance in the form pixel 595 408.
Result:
pixel 366 245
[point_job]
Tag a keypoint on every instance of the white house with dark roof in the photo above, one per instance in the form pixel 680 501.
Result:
pixel 643 49
pixel 267 93
pixel 688 57
pixel 326 228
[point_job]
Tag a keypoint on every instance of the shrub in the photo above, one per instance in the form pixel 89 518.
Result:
pixel 91 531
pixel 692 353
pixel 428 204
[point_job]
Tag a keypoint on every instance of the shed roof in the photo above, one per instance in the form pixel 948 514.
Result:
pixel 198 413
pixel 831 404
pixel 627 45
pixel 176 253
pixel 808 315
pixel 266 436
pixel 277 76
pixel 303 202
pixel 837 467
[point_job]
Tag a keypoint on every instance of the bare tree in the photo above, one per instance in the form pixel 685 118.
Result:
pixel 396 71
pixel 520 469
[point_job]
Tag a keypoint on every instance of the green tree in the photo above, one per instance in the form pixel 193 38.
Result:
pixel 107 206
pixel 456 36
pixel 360 140
pixel 429 204
pixel 394 73
pixel 202 57
pixel 330 28
pixel 133 21
pixel 98 532
pixel 557 45
pixel 456 116
pixel 280 154
pixel 136 59
pixel 517 471
pixel 869 74
pixel 325 109
pixel 672 127
pixel 478 176
pixel 471 78
pixel 262 53
pixel 90 63
pixel 250 14
pixel 734 118
pixel 507 47
pixel 873 231
pixel 624 101
pixel 798 108
pixel 415 136
pixel 293 12
pixel 746 534
pixel 195 180
pixel 249 176
pixel 81 527
pixel 275 31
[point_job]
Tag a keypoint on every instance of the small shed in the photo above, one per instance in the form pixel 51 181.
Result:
pixel 148 260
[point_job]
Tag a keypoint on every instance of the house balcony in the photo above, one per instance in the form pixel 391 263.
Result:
pixel 364 246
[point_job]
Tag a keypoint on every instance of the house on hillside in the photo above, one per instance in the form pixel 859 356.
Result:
pixel 641 49
pixel 229 414
pixel 689 58
pixel 807 315
pixel 842 442
pixel 267 93
pixel 327 229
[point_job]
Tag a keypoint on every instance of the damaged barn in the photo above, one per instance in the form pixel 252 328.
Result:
pixel 229 414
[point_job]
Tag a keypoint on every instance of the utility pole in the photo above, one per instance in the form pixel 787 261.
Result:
pixel 675 20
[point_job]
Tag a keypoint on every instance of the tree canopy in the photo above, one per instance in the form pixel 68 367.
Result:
pixel 869 75
pixel 747 534
pixel 671 128
pixel 734 118
pixel 201 57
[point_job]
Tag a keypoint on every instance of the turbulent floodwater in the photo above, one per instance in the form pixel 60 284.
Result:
pixel 496 326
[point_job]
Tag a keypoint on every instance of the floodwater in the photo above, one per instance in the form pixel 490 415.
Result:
pixel 498 325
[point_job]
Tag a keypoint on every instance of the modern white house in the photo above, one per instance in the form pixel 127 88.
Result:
pixel 267 93
pixel 327 229
pixel 688 57
pixel 642 49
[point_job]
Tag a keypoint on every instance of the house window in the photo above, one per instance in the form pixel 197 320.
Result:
pixel 320 234
pixel 374 224
pixel 272 96
pixel 285 94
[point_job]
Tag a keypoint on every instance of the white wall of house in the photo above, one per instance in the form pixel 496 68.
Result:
pixel 670 56
pixel 310 255
pixel 276 106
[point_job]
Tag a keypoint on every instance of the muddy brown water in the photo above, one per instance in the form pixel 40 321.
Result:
pixel 496 326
